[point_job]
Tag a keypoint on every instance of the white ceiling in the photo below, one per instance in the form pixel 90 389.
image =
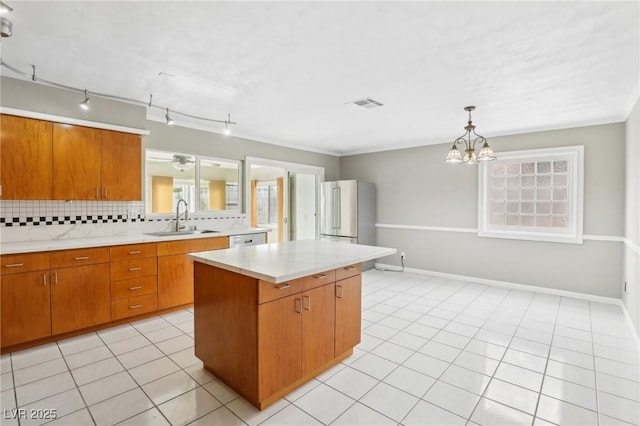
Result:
pixel 286 70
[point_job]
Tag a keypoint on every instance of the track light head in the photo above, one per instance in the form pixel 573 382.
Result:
pixel 85 104
pixel 169 119
pixel 227 130
pixel 4 8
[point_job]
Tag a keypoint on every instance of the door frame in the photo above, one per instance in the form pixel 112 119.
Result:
pixel 288 167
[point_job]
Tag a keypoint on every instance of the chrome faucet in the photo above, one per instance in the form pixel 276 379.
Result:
pixel 186 213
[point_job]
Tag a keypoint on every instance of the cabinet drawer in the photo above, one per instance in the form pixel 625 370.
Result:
pixel 134 268
pixel 348 271
pixel 15 263
pixel 133 251
pixel 189 246
pixel 134 287
pixel 123 308
pixel 316 280
pixel 79 257
pixel 269 291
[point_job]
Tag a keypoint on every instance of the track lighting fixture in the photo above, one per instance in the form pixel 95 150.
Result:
pixel 85 104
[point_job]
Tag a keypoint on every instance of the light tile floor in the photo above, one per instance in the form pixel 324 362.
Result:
pixel 434 352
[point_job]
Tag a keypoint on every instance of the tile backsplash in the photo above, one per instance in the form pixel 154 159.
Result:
pixel 52 220
pixel 43 213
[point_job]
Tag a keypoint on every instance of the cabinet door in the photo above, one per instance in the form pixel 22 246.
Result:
pixel 76 162
pixel 25 304
pixel 318 322
pixel 25 158
pixel 279 344
pixel 175 281
pixel 348 313
pixel 121 166
pixel 80 297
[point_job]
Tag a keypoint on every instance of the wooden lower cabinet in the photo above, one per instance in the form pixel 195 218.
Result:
pixel 263 343
pixel 279 344
pixel 348 313
pixel 175 269
pixel 25 307
pixel 318 323
pixel 124 308
pixel 80 297
pixel 175 280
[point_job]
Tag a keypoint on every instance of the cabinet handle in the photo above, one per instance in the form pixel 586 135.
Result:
pixel 135 306
pixel 138 287
pixel 106 192
pixel 81 258
pixel 135 252
pixel 297 305
pixel 14 265
pixel 308 299
pixel 135 269
pixel 349 268
pixel 44 280
pixel 340 293
pixel 282 286
pixel 320 276
pixel 55 278
pixel 98 193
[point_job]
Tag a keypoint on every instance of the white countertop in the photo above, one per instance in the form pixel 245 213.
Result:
pixel 279 262
pixel 115 240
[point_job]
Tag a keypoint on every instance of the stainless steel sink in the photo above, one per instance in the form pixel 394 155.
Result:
pixel 178 233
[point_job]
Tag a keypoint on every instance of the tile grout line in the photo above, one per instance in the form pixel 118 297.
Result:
pixel 546 364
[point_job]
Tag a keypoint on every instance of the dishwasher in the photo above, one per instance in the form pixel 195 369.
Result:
pixel 247 240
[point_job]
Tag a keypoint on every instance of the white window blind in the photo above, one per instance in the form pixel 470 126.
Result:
pixel 533 195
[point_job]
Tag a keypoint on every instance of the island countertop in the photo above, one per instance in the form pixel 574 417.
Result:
pixel 280 262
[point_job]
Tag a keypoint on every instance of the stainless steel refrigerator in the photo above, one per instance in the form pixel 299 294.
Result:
pixel 348 212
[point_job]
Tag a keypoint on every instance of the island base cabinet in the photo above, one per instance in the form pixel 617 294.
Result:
pixel 80 297
pixel 264 351
pixel 25 307
pixel 348 313
pixel 318 319
pixel 279 349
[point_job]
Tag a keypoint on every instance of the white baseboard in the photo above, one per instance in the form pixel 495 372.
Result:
pixel 631 325
pixel 528 287
pixel 524 287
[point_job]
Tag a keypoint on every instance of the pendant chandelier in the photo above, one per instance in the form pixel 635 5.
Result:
pixel 470 138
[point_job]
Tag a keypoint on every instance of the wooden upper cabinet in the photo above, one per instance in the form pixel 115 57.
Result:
pixel 76 162
pixel 121 166
pixel 25 158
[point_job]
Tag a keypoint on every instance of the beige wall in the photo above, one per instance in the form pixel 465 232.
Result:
pixel 631 297
pixel 415 187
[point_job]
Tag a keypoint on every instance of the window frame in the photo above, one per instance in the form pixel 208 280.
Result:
pixel 197 212
pixel 575 186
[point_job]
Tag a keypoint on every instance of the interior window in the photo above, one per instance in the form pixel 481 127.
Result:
pixel 205 183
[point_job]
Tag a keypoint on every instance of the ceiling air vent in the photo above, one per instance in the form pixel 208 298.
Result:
pixel 366 103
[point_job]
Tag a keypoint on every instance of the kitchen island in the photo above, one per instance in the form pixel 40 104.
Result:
pixel 271 317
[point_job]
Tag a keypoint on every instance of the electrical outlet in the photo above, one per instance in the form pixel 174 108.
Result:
pixel 402 255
